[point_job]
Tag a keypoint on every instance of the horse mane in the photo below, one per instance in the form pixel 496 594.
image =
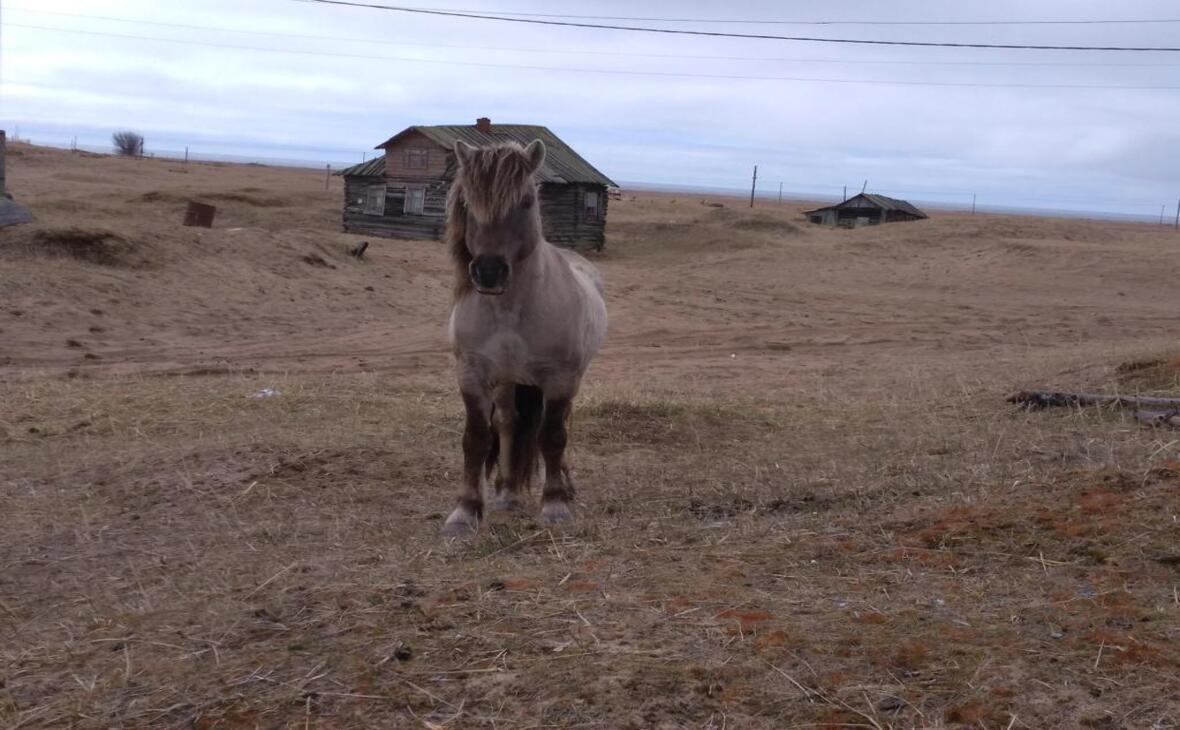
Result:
pixel 487 185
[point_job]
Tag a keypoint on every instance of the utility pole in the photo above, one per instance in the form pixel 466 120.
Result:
pixel 327 177
pixel 972 203
pixel 1162 214
pixel 186 154
pixel 1178 215
pixel 864 187
pixel 845 194
pixel 780 193
pixel 753 186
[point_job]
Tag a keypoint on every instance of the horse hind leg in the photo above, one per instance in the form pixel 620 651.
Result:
pixel 504 419
pixel 558 495
pixel 494 453
pixel 518 428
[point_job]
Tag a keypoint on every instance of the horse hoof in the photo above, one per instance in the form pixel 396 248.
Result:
pixel 461 523
pixel 554 513
pixel 506 504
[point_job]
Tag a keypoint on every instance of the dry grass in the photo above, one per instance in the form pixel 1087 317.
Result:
pixel 800 506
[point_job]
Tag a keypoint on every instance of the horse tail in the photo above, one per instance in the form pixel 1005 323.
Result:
pixel 530 407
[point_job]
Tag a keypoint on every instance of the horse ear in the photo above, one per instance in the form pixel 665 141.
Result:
pixel 463 151
pixel 536 154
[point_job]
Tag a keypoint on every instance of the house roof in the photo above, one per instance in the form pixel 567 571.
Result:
pixel 562 164
pixel 373 168
pixel 874 200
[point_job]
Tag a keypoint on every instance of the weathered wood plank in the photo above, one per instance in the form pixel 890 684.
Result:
pixel 1051 398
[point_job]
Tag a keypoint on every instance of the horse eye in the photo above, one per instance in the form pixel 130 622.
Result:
pixel 527 203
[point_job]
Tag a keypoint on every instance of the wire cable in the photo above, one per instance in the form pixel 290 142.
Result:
pixel 721 34
pixel 621 54
pixel 614 72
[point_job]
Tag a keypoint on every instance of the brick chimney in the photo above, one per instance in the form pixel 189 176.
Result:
pixel 484 125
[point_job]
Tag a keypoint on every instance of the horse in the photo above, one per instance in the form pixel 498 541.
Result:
pixel 527 318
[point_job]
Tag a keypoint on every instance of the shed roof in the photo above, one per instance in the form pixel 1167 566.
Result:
pixel 874 200
pixel 373 168
pixel 562 164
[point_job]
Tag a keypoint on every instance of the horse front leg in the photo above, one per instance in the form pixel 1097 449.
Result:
pixel 558 495
pixel 477 445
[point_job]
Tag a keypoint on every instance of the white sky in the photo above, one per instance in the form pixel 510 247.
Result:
pixel 1096 149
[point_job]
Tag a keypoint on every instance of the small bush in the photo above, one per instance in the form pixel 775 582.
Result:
pixel 128 144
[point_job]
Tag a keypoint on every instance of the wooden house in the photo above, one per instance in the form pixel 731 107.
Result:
pixel 403 193
pixel 865 209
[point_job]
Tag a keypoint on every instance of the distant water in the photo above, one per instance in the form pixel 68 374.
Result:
pixel 825 198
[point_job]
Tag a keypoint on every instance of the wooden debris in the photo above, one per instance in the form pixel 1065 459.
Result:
pixel 1159 419
pixel 1152 411
pixel 1033 399
pixel 199 215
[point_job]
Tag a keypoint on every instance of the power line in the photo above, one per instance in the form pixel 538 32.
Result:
pixel 765 21
pixel 614 72
pixel 625 54
pixel 720 34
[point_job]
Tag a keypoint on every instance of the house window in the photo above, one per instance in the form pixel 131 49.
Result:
pixel 415 200
pixel 416 158
pixel 375 200
pixel 590 204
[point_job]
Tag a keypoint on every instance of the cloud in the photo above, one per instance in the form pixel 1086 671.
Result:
pixel 1011 145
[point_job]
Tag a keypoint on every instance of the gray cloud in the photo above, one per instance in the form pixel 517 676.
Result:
pixel 1104 149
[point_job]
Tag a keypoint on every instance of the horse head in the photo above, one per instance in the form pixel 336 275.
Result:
pixel 493 213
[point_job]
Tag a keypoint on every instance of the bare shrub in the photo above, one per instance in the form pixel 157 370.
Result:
pixel 92 245
pixel 128 144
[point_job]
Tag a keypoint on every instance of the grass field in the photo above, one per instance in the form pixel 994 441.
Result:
pixel 803 500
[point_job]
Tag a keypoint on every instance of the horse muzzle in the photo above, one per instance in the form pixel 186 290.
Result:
pixel 489 274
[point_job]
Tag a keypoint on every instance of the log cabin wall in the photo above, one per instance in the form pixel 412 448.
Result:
pixel 416 156
pixel 393 219
pixel 567 221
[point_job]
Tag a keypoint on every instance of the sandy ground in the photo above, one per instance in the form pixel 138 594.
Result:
pixel 803 499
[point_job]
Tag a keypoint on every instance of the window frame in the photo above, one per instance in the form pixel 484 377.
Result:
pixel 593 211
pixel 408 207
pixel 374 204
pixel 416 158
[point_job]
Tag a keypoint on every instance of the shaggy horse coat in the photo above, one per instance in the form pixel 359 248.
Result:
pixel 527 319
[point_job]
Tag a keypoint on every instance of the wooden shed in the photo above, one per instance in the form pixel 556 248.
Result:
pixel 403 193
pixel 11 213
pixel 865 209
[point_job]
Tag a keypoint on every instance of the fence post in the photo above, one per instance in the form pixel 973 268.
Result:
pixel 3 152
pixel 327 177
pixel 780 193
pixel 972 203
pixel 186 154
pixel 753 186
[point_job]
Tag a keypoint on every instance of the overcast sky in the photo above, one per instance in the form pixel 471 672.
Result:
pixel 378 72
